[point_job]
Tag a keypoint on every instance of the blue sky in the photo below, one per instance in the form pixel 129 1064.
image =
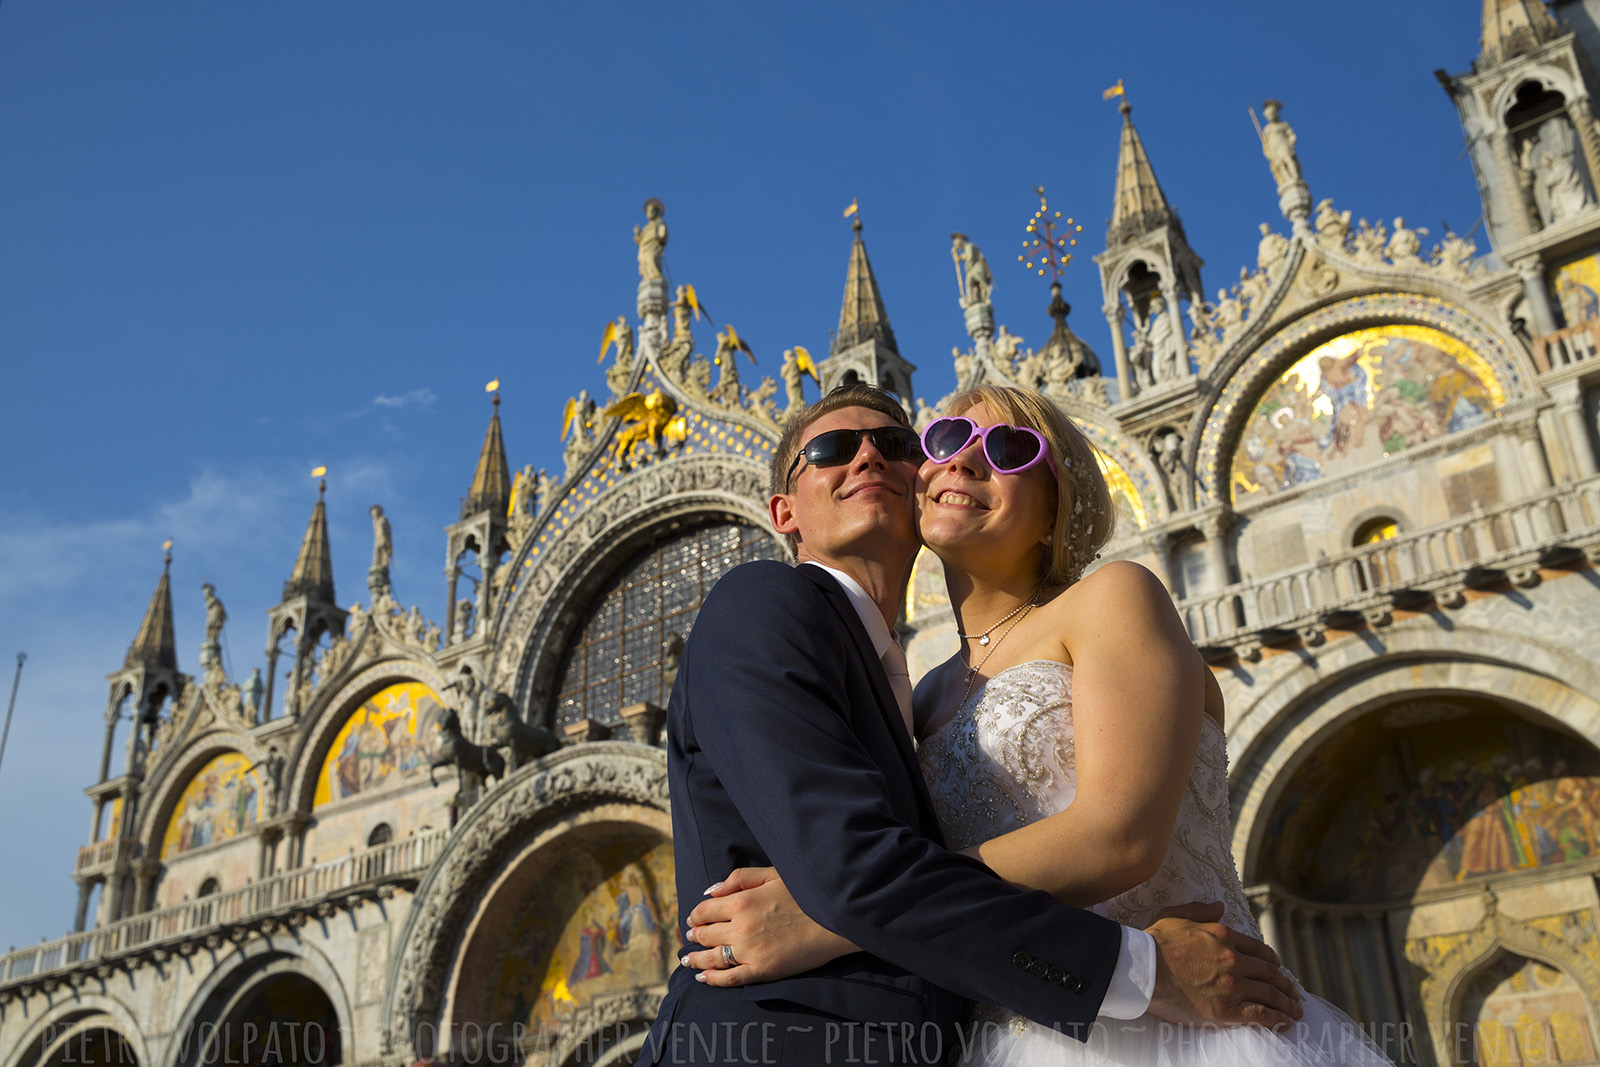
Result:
pixel 238 241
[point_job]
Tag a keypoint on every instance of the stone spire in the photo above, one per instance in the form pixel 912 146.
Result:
pixel 491 482
pixel 1512 27
pixel 155 646
pixel 313 568
pixel 1139 205
pixel 862 318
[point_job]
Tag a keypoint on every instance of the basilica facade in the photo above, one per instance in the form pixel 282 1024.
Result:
pixel 1365 469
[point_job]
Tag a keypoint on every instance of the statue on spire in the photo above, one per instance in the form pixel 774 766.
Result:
pixel 651 239
pixel 972 271
pixel 1277 144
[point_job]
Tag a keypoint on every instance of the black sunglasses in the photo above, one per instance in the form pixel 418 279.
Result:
pixel 894 443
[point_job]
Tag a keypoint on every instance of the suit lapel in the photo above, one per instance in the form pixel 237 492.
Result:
pixel 888 707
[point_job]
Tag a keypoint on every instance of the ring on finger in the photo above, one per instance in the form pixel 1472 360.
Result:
pixel 727 957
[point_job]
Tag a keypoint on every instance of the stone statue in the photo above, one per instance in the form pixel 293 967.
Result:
pixel 1272 250
pixel 972 271
pixel 1453 257
pixel 651 239
pixel 617 377
pixel 575 429
pixel 966 368
pixel 671 655
pixel 925 414
pixel 382 539
pixel 216 615
pixel 797 365
pixel 1277 144
pixel 271 774
pixel 1333 227
pixel 464 611
pixel 1006 344
pixel 1228 316
pixel 253 688
pixel 699 378
pixel 1168 361
pixel 1404 245
pixel 1253 290
pixel 1369 242
pixel 1550 157
pixel 675 356
pixel 759 400
pixel 467 685
pixel 1139 361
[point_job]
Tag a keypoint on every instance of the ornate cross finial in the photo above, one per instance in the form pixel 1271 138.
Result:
pixel 1048 241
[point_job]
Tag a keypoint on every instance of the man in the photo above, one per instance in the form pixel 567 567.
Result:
pixel 790 747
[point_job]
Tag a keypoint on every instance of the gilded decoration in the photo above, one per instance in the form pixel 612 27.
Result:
pixel 1134 492
pixel 221 801
pixel 1456 791
pixel 601 926
pixel 1260 371
pixel 1576 285
pixel 1521 1010
pixel 386 739
pixel 1360 398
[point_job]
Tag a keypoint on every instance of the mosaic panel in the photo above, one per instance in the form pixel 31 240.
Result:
pixel 1429 793
pixel 1575 285
pixel 1358 399
pixel 1135 493
pixel 1263 368
pixel 386 740
pixel 602 924
pixel 221 801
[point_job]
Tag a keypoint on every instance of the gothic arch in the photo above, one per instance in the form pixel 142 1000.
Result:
pixel 497 832
pixel 1547 76
pixel 246 969
pixel 550 600
pixel 1444 987
pixel 331 712
pixel 80 1013
pixel 1251 371
pixel 1312 702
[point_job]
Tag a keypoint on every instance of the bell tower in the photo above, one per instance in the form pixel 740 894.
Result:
pixel 864 347
pixel 482 531
pixel 1147 273
pixel 307 609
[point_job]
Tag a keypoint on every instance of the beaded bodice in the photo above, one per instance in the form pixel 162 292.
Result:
pixel 1006 759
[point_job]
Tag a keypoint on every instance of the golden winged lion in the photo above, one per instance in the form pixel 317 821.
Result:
pixel 649 419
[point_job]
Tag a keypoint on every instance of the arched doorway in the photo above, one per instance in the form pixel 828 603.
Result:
pixel 270 1013
pixel 1405 816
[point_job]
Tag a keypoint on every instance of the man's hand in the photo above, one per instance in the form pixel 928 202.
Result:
pixel 1208 973
pixel 752 911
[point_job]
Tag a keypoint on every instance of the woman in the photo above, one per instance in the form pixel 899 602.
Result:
pixel 1074 692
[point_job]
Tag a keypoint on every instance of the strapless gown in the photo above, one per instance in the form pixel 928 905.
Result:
pixel 1006 759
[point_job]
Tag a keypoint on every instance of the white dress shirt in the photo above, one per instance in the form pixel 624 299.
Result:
pixel 1134 980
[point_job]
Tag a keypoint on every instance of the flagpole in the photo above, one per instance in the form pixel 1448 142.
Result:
pixel 22 657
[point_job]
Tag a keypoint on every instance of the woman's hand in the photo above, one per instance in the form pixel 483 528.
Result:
pixel 770 937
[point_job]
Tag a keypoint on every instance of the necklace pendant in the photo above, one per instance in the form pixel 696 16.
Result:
pixel 984 639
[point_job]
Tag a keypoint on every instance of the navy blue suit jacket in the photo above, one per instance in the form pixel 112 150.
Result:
pixel 786 748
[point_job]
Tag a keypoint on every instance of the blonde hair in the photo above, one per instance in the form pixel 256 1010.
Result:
pixel 1085 518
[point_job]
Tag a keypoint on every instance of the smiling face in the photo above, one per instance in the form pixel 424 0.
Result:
pixel 860 508
pixel 971 516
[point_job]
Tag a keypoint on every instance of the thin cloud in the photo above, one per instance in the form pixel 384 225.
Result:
pixel 417 398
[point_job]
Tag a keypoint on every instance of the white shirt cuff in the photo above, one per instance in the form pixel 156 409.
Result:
pixel 1134 980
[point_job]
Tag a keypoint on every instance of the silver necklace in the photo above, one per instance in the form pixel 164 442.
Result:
pixel 983 638
pixel 972 672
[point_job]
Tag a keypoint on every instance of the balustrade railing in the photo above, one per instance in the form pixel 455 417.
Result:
pixel 104 853
pixel 277 894
pixel 1385 573
pixel 1574 345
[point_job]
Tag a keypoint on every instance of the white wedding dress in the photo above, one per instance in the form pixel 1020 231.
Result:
pixel 1006 759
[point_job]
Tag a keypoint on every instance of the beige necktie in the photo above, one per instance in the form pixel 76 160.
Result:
pixel 894 664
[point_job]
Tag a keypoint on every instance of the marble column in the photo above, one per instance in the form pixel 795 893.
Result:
pixel 1569 407
pixel 1544 316
pixel 1119 350
pixel 1215 527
